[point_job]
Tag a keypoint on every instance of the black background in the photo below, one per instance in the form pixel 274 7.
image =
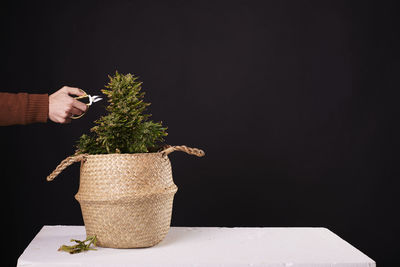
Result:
pixel 294 102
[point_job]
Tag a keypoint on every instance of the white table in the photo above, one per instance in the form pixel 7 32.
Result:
pixel 204 246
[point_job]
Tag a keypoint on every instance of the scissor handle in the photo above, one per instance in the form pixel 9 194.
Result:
pixel 74 117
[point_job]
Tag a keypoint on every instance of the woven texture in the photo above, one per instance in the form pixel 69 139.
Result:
pixel 126 199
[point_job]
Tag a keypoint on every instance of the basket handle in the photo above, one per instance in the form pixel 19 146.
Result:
pixel 64 164
pixel 189 150
pixel 81 157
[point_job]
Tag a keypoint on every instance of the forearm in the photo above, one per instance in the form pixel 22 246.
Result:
pixel 23 108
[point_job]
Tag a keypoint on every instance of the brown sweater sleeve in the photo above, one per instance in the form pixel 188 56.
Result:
pixel 23 108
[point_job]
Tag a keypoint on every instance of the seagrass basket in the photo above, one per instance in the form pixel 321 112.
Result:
pixel 126 199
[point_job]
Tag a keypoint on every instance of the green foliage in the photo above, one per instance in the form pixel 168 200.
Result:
pixel 126 128
pixel 80 245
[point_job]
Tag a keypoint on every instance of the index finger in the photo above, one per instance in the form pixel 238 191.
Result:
pixel 75 91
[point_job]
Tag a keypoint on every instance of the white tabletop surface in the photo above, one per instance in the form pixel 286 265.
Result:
pixel 204 246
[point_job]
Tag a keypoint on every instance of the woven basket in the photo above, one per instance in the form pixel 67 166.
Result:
pixel 126 199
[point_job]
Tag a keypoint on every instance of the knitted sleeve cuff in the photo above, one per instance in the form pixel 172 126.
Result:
pixel 37 108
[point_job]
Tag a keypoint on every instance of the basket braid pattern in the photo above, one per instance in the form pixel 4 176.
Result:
pixel 126 199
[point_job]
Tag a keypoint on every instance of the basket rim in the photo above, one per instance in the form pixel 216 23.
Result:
pixel 123 154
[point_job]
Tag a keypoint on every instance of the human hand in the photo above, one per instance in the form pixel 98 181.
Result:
pixel 62 105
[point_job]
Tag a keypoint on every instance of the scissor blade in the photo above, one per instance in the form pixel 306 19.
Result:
pixel 96 98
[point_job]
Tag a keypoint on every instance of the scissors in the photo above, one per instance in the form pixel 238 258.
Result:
pixel 91 99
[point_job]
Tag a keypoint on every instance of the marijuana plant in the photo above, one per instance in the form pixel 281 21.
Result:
pixel 80 246
pixel 126 128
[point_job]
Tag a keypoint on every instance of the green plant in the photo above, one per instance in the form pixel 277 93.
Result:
pixel 126 128
pixel 80 246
